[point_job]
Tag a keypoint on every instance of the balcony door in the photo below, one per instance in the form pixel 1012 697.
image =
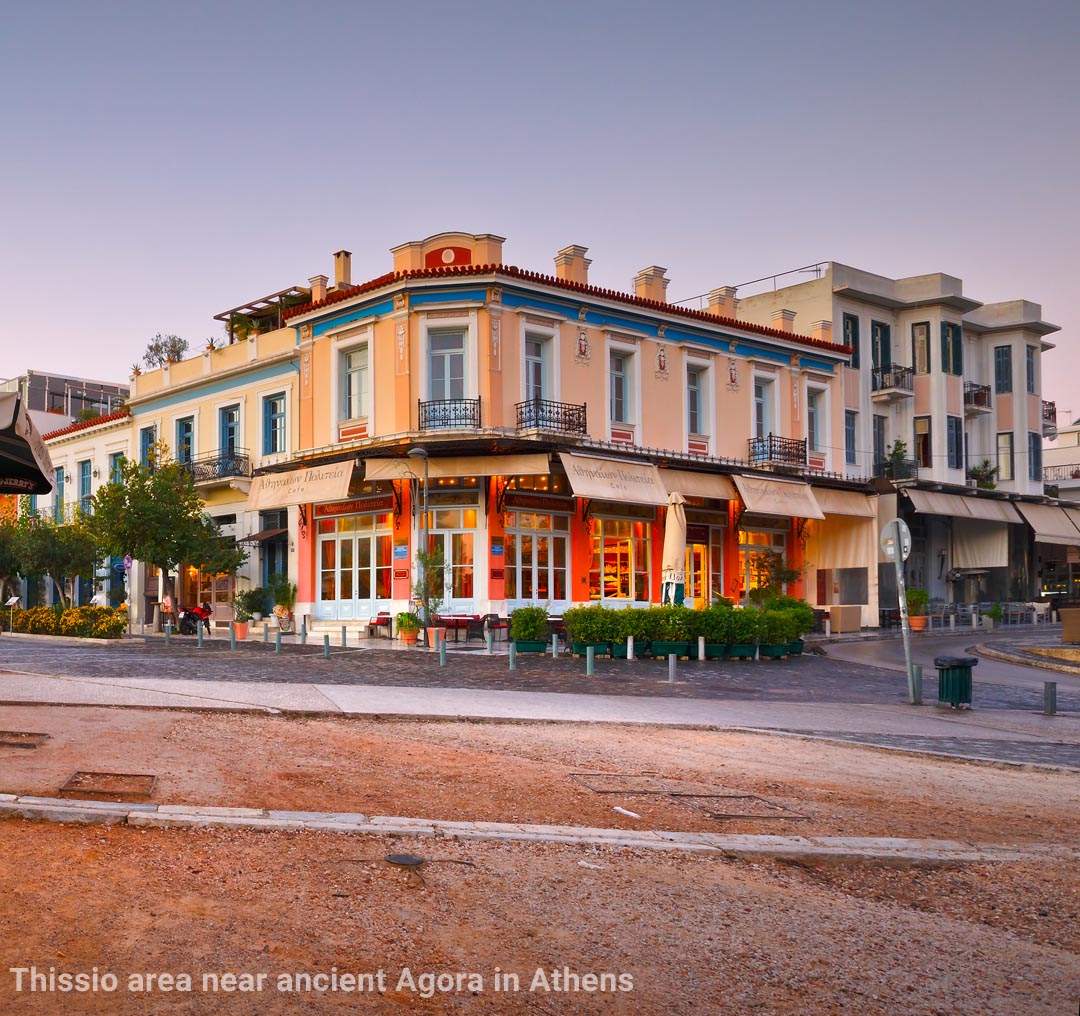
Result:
pixel 447 365
pixel 453 531
pixel 229 429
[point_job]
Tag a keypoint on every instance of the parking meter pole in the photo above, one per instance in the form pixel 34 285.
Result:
pixel 914 698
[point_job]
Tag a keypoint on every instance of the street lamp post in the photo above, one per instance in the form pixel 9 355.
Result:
pixel 421 571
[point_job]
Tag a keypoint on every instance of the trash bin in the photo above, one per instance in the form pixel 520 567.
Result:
pixel 954 679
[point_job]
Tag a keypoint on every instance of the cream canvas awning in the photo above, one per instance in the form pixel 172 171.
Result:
pixel 979 543
pixel 1074 515
pixel 406 468
pixel 300 486
pixel 845 502
pixel 1051 524
pixel 766 496
pixel 934 502
pixel 991 511
pixel 613 480
pixel 697 484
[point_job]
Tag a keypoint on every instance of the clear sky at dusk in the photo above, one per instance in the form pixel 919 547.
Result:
pixel 163 163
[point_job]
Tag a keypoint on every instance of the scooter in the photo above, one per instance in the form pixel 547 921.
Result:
pixel 191 618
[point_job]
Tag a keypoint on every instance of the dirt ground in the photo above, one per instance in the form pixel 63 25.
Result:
pixel 686 934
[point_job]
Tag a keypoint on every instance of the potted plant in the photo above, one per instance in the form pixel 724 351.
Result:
pixel 917 602
pixel 669 632
pixel 802 616
pixel 241 617
pixel 743 633
pixel 591 625
pixel 408 627
pixel 433 574
pixel 529 629
pixel 993 616
pixel 284 601
pixel 983 474
pixel 776 629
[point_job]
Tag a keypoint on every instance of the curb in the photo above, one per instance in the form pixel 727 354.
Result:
pixel 1021 660
pixel 823 849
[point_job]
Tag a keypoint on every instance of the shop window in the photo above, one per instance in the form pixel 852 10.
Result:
pixel 620 561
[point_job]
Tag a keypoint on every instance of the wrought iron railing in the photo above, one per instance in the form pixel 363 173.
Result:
pixel 897 469
pixel 1049 413
pixel 788 451
pixel 220 465
pixel 1069 471
pixel 891 375
pixel 976 395
pixel 543 414
pixel 448 414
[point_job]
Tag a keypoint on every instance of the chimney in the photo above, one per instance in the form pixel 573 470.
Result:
pixel 722 302
pixel 318 288
pixel 342 269
pixel 821 330
pixel 650 284
pixel 572 265
pixel 783 320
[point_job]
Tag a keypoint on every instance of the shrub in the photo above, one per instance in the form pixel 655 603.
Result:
pixel 253 600
pixel 407 622
pixel 591 623
pixel 801 612
pixel 917 600
pixel 78 622
pixel 712 624
pixel 669 623
pixel 529 624
pixel 776 627
pixel 743 630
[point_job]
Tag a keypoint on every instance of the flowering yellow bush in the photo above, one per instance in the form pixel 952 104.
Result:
pixel 80 622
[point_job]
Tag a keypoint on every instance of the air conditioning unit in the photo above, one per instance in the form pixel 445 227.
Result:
pixel 973 483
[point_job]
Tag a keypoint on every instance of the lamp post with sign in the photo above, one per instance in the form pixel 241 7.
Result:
pixel 896 544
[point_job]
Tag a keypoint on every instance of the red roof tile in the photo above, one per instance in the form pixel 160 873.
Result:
pixel 87 424
pixel 577 287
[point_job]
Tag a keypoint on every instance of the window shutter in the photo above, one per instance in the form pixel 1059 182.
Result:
pixel 945 358
pixel 958 350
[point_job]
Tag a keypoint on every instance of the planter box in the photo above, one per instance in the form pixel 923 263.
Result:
pixel 670 649
pixel 741 652
pixel 795 648
pixel 599 648
pixel 773 652
pixel 715 650
pixel 530 646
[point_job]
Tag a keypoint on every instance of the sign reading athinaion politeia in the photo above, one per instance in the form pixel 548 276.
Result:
pixel 614 480
pixel 300 486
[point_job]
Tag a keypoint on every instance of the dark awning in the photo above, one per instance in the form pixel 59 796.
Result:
pixel 263 535
pixel 25 466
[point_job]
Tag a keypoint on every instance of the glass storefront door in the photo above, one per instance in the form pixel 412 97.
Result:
pixel 453 532
pixel 355 562
pixel 537 560
pixel 760 552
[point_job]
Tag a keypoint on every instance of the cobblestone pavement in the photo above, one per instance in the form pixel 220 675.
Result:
pixel 1022 752
pixel 807 678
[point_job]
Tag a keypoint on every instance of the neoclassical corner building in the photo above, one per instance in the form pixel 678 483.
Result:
pixel 543 423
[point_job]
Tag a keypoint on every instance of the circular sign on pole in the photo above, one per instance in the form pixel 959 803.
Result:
pixel 127 562
pixel 888 539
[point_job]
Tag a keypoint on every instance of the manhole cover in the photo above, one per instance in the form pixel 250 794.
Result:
pixel 109 786
pixel 21 739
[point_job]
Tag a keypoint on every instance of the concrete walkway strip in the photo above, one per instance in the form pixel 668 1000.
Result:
pixel 802 848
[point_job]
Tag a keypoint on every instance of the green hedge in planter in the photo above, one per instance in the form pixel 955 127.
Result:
pixel 776 628
pixel 802 614
pixel 744 627
pixel 591 625
pixel 529 624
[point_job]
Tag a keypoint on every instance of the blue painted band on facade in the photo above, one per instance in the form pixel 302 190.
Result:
pixel 227 384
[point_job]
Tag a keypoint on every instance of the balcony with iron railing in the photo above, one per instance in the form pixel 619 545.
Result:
pixel 1062 472
pixel 890 382
pixel 781 451
pixel 558 417
pixel 897 469
pixel 976 399
pixel 448 414
pixel 219 466
pixel 1049 416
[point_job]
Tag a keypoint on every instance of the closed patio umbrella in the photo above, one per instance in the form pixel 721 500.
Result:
pixel 25 465
pixel 673 566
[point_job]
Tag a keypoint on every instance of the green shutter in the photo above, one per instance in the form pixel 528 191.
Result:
pixel 945 346
pixel 958 350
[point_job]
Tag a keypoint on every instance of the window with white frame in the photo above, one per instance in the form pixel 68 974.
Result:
pixel 1035 470
pixel 1005 455
pixel 536 367
pixel 816 419
pixel 850 421
pixel 954 441
pixel 446 364
pixel 763 406
pixel 620 386
pixel 1030 361
pixel 354 383
pixel 696 400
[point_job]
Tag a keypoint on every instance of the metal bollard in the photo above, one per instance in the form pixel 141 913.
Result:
pixel 917 668
pixel 701 648
pixel 513 656
pixel 590 661
pixel 952 622
pixel 629 647
pixel 303 632
pixel 168 631
pixel 277 641
pixel 442 652
pixel 198 633
pixel 672 666
pixel 828 627
pixel 232 635
pixel 343 636
pixel 326 646
pixel 266 634
pixel 1050 697
pixel 554 645
pixel 489 638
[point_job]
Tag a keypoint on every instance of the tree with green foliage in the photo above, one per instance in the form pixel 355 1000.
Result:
pixel 155 514
pixel 65 551
pixel 163 349
pixel 9 557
